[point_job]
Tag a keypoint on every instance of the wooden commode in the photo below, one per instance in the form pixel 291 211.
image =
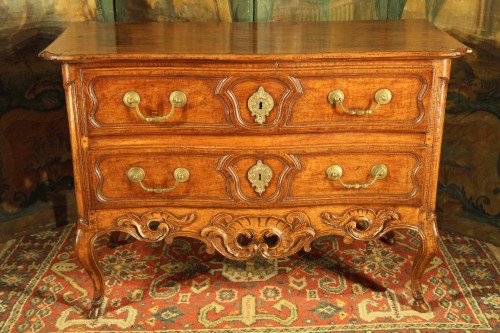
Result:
pixel 255 138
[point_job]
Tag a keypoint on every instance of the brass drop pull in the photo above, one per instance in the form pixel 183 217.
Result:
pixel 137 175
pixel 132 99
pixel 379 171
pixel 382 97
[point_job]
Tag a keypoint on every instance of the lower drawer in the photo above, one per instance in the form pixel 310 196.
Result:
pixel 256 177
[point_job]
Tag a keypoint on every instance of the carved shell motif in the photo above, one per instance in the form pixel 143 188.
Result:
pixel 153 226
pixel 361 223
pixel 243 237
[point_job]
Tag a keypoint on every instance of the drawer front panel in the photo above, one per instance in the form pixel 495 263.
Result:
pixel 112 185
pixel 346 175
pixel 407 106
pixel 104 101
pixel 255 177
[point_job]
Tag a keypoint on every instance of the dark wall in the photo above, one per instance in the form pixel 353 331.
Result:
pixel 35 158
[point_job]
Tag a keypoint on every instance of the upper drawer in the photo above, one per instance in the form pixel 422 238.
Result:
pixel 156 101
pixel 153 101
pixel 360 99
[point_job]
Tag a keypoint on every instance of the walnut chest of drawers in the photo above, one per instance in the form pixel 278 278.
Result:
pixel 255 138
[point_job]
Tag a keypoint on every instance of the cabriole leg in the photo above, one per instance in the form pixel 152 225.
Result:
pixel 427 251
pixel 114 239
pixel 84 247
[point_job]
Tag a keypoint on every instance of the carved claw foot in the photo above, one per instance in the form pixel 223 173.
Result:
pixel 95 311
pixel 420 305
pixel 389 238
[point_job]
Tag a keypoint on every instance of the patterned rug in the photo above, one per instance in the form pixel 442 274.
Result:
pixel 153 287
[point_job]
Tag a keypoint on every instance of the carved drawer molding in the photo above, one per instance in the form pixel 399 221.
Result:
pixel 283 90
pixel 242 187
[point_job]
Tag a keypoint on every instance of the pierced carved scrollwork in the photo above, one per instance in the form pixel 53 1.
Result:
pixel 243 237
pixel 361 223
pixel 153 226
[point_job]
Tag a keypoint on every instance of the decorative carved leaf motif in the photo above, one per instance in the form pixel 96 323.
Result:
pixel 243 237
pixel 361 223
pixel 153 226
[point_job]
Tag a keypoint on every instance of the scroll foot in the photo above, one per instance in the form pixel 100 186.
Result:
pixel 95 311
pixel 389 238
pixel 420 305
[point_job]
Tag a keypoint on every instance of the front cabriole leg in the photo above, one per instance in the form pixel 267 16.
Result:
pixel 368 224
pixel 84 247
pixel 152 226
pixel 427 250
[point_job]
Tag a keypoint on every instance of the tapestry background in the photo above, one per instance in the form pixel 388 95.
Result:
pixel 35 159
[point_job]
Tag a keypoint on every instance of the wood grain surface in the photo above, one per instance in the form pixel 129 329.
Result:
pixel 91 41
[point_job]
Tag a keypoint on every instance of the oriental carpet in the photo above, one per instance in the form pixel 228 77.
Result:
pixel 155 287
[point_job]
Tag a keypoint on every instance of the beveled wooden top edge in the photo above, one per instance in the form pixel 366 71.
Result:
pixel 243 41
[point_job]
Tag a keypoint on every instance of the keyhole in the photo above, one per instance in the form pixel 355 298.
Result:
pixel 260 105
pixel 260 176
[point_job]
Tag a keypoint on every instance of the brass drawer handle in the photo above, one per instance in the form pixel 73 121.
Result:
pixel 379 171
pixel 132 99
pixel 382 97
pixel 137 175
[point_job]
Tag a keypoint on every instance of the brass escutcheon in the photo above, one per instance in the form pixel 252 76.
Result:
pixel 260 105
pixel 259 176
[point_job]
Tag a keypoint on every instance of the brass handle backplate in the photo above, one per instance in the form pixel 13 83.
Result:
pixel 379 171
pixel 137 175
pixel 382 97
pixel 132 99
pixel 260 104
